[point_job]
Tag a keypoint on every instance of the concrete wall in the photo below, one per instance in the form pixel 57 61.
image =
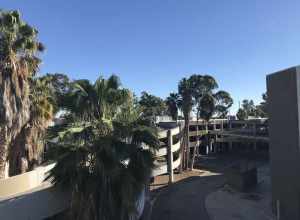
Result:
pixel 27 196
pixel 35 205
pixel 24 182
pixel 284 101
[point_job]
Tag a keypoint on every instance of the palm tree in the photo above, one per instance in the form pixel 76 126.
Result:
pixel 101 153
pixel 27 148
pixel 96 101
pixel 185 90
pixel 18 62
pixel 172 104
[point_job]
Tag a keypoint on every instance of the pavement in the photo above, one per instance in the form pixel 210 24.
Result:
pixel 229 204
pixel 185 199
pixel 204 195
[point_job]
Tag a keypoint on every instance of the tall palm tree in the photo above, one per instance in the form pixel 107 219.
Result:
pixel 185 90
pixel 96 101
pixel 27 148
pixel 18 62
pixel 101 153
pixel 172 104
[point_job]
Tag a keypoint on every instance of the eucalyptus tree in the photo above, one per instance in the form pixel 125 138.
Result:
pixel 249 107
pixel 172 102
pixel 101 151
pixel 208 101
pixel 261 109
pixel 241 114
pixel 198 92
pixel 58 85
pixel 152 106
pixel 19 48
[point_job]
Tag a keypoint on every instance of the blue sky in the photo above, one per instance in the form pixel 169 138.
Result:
pixel 152 44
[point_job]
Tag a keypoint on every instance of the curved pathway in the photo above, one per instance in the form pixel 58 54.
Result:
pixel 185 200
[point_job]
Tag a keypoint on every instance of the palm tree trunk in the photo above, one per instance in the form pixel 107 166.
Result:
pixel 187 145
pixel 206 135
pixel 3 153
pixel 14 111
pixel 18 162
pixel 197 144
pixel 184 146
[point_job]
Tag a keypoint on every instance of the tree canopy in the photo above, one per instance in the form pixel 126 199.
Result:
pixel 100 151
pixel 152 106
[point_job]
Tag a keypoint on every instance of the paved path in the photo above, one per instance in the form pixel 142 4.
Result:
pixel 229 204
pixel 185 200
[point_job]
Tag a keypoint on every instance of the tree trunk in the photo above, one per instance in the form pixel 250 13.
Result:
pixel 3 153
pixel 14 110
pixel 184 146
pixel 197 144
pixel 26 151
pixel 206 135
pixel 187 145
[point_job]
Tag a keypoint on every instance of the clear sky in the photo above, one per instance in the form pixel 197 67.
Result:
pixel 152 44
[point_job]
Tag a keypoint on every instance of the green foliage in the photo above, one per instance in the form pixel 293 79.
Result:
pixel 262 107
pixel 59 86
pixel 41 99
pixel 185 90
pixel 250 109
pixel 172 102
pixel 241 114
pixel 198 92
pixel 104 161
pixel 152 106
pixel 18 44
pixel 101 100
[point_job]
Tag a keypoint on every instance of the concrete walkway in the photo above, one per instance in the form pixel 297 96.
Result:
pixel 185 199
pixel 228 204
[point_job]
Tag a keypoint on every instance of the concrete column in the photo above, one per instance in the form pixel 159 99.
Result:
pixel 170 157
pixel 211 147
pixel 198 142
pixel 255 146
pixel 255 141
pixel 284 130
pixel 230 142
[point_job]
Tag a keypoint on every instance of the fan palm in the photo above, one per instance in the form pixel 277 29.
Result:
pixel 172 103
pixel 18 61
pixel 96 101
pixel 27 148
pixel 105 156
pixel 185 90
